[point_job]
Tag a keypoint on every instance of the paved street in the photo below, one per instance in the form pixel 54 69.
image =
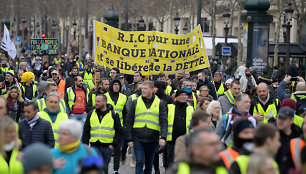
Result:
pixel 126 169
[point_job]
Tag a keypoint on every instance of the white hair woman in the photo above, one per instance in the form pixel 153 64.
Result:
pixel 70 150
pixel 9 147
pixel 214 110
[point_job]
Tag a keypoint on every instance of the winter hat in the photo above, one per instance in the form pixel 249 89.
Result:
pixel 36 155
pixel 179 91
pixel 238 126
pixel 27 76
pixel 289 102
pixel 160 85
pixel 11 72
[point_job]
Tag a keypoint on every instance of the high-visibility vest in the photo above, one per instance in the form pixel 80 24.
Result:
pixel 184 168
pixel 297 120
pixel 168 89
pixel 34 89
pixel 243 162
pixel 221 89
pixel 230 96
pixel 14 167
pixel 80 67
pixel 42 105
pixel 5 70
pixel 104 131
pixel 119 105
pixel 71 96
pixel 88 76
pixel 55 126
pixel 296 146
pixel 147 117
pixel 171 115
pixel 57 61
pixel 269 113
pixel 61 89
pixel 228 156
pixel 93 99
pixel 134 96
pixel 294 96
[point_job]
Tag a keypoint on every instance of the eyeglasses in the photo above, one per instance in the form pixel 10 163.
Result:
pixel 204 90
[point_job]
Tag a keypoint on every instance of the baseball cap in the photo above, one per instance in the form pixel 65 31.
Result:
pixel 286 112
pixel 119 76
pixel 54 72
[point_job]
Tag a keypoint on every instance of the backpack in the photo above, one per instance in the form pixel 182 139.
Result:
pixel 300 104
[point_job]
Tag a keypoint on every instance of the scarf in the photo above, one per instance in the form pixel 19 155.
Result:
pixel 264 102
pixel 70 148
pixel 33 121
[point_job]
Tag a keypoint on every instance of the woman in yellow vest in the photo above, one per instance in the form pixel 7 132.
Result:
pixel 9 163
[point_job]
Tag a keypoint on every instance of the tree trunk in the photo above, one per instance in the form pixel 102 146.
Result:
pixel 278 27
pixel 231 23
pixel 191 17
pixel 213 27
pixel 171 14
pixel 300 14
pixel 239 34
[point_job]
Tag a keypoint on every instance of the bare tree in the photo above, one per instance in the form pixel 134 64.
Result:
pixel 299 7
pixel 277 30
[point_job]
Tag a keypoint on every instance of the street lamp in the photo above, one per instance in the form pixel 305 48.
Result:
pixel 176 20
pixel 141 24
pixel 74 24
pixel 289 14
pixel 185 28
pixel 54 26
pixel 226 16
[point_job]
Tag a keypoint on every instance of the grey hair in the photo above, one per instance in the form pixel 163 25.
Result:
pixel 301 86
pixel 75 127
pixel 53 94
pixel 210 108
pixel 238 98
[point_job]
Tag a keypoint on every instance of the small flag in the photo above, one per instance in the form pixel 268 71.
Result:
pixel 7 44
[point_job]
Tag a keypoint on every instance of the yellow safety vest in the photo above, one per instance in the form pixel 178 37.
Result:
pixel 82 66
pixel 269 113
pixel 71 96
pixel 171 115
pixel 297 120
pixel 230 96
pixel 147 117
pixel 57 61
pixel 88 76
pixel 119 105
pixel 104 131
pixel 243 162
pixel 301 96
pixel 34 90
pixel 221 89
pixel 184 168
pixel 55 126
pixel 5 70
pixel 14 167
pixel 42 105
pixel 134 96
pixel 168 90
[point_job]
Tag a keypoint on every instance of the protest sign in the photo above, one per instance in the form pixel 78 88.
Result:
pixel 46 46
pixel 149 52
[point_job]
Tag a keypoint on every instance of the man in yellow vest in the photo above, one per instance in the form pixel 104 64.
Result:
pixel 28 88
pixel 146 127
pixel 264 106
pixel 101 89
pixel 179 117
pixel 118 101
pixel 50 88
pixel 266 140
pixel 228 99
pixel 203 149
pixel 88 74
pixel 102 129
pixel 77 98
pixel 52 114
pixel 8 82
pixel 162 77
pixel 219 86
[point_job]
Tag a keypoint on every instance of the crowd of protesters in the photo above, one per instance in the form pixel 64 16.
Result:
pixel 68 115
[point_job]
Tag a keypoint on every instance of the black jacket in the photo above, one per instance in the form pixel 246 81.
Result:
pixel 145 134
pixel 41 132
pixel 179 123
pixel 117 127
pixel 69 81
pixel 283 155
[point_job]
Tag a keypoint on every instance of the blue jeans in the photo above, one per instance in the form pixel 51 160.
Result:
pixel 80 117
pixel 106 154
pixel 145 153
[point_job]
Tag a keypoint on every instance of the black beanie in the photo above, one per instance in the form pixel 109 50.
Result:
pixel 161 85
pixel 179 91
pixel 238 126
